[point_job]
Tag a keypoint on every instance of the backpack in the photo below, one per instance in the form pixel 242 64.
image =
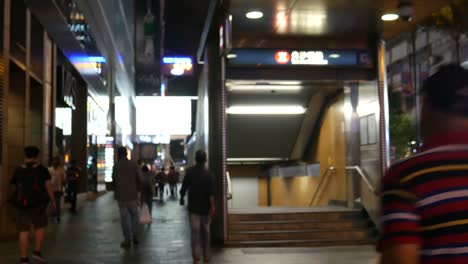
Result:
pixel 30 188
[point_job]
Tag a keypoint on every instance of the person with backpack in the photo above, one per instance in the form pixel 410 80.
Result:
pixel 73 173
pixel 31 192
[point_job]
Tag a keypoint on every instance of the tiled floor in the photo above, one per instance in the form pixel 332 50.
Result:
pixel 93 236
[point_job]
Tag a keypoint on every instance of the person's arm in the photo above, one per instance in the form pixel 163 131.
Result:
pixel 114 182
pixel 185 186
pixel 400 241
pixel 212 206
pixel 50 192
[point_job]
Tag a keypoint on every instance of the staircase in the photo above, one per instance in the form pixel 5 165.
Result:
pixel 306 227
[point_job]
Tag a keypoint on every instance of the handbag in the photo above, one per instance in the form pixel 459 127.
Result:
pixel 145 216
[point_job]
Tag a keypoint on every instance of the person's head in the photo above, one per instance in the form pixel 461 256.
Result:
pixel 445 105
pixel 56 161
pixel 31 153
pixel 121 152
pixel 145 168
pixel 200 157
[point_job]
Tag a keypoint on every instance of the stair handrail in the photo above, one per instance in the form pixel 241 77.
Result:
pixel 322 181
pixel 364 177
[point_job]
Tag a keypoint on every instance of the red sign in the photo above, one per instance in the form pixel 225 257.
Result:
pixel 282 57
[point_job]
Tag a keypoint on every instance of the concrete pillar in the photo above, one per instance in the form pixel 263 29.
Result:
pixel 80 133
pixel 353 144
pixel 384 109
pixel 217 130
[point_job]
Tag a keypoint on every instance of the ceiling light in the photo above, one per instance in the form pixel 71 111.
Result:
pixel 254 15
pixel 265 87
pixel 390 17
pixel 266 110
pixel 334 56
pixel 231 56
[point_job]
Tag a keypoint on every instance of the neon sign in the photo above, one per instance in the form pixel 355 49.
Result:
pixel 177 66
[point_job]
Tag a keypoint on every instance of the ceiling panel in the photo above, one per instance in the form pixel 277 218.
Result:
pixel 306 17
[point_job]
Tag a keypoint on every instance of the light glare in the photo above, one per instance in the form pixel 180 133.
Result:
pixel 266 110
pixel 390 17
pixel 254 15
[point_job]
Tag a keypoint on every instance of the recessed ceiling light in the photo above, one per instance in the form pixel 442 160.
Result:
pixel 265 87
pixel 334 56
pixel 266 110
pixel 254 15
pixel 390 17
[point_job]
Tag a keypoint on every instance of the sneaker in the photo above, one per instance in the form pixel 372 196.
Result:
pixel 125 244
pixel 38 258
pixel 135 241
pixel 24 261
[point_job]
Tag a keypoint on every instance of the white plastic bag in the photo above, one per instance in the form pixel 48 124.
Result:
pixel 145 216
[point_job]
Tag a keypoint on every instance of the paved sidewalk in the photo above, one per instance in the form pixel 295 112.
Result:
pixel 93 236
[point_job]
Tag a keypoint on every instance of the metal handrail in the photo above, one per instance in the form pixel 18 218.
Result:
pixel 364 177
pixel 319 187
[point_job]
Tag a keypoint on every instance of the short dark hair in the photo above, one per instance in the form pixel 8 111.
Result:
pixel 121 152
pixel 447 90
pixel 200 157
pixel 145 168
pixel 31 152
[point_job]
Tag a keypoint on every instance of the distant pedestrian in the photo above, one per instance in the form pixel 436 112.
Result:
pixel 57 173
pixel 198 182
pixel 173 180
pixel 162 179
pixel 147 187
pixel 73 174
pixel 31 191
pixel 126 178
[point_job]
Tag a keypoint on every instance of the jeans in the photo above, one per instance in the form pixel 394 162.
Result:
pixel 129 219
pixel 72 190
pixel 200 227
pixel 58 204
pixel 173 188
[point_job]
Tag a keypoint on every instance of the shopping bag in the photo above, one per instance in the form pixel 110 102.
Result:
pixel 145 216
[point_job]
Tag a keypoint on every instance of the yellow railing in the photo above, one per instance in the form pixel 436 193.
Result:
pixel 324 181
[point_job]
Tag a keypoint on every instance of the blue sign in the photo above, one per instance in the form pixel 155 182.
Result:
pixel 290 57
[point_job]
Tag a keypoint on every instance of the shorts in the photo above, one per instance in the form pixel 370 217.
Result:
pixel 36 217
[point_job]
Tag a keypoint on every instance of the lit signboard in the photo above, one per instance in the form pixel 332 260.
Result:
pixel 177 66
pixel 288 57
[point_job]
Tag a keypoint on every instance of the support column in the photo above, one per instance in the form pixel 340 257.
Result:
pixel 384 114
pixel 353 143
pixel 217 130
pixel 80 134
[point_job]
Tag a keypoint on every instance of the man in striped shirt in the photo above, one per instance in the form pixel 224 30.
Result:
pixel 425 197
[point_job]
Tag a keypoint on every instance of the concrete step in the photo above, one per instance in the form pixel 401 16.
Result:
pixel 330 234
pixel 324 216
pixel 294 225
pixel 299 243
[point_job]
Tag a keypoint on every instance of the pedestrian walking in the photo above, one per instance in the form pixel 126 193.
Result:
pixel 31 192
pixel 173 178
pixel 57 173
pixel 198 182
pixel 73 174
pixel 126 179
pixel 147 188
pixel 425 197
pixel 162 179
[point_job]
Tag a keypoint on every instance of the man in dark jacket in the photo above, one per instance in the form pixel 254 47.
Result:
pixel 126 175
pixel 198 182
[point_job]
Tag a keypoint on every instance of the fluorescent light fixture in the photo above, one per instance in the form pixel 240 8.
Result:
pixel 390 17
pixel 334 56
pixel 232 56
pixel 254 15
pixel 265 87
pixel 99 59
pixel 254 159
pixel 266 110
pixel 177 60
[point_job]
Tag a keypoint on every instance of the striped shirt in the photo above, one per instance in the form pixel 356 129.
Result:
pixel 425 201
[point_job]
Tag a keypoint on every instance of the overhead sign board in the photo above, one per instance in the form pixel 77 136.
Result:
pixel 177 66
pixel 290 57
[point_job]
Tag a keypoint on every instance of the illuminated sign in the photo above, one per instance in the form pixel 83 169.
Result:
pixel 177 66
pixel 282 57
pixel 308 58
pixel 304 58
